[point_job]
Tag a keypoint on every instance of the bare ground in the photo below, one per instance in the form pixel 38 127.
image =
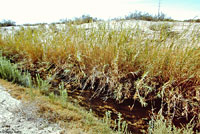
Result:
pixel 17 117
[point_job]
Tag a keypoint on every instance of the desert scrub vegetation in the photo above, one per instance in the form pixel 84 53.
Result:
pixel 6 23
pixel 192 20
pixel 138 15
pixel 11 73
pixel 84 121
pixel 159 125
pixel 79 20
pixel 70 116
pixel 115 61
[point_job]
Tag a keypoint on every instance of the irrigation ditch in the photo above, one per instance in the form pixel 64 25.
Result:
pixel 136 116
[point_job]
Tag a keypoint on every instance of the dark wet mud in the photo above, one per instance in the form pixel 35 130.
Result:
pixel 136 116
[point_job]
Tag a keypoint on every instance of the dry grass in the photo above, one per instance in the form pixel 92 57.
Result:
pixel 159 124
pixel 120 62
pixel 72 117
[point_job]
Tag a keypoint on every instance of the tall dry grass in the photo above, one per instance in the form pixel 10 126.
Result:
pixel 118 61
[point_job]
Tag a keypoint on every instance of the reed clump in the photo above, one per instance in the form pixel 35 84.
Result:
pixel 115 61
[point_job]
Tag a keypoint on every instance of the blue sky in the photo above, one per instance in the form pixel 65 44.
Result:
pixel 34 11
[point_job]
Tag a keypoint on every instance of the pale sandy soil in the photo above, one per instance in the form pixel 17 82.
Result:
pixel 177 27
pixel 20 118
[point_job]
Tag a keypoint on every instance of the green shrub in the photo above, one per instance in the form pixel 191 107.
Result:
pixel 42 84
pixel 159 125
pixel 10 72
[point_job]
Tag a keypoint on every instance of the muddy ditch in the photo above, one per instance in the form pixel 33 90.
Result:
pixel 132 111
pixel 136 116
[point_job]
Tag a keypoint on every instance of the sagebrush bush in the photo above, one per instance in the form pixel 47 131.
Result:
pixel 11 73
